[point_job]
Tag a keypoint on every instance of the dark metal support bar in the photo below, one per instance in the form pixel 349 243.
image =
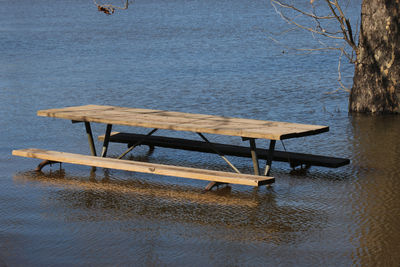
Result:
pixel 270 157
pixel 219 153
pixel 211 185
pixel 254 156
pixel 106 140
pixel 136 144
pixel 90 138
pixel 44 163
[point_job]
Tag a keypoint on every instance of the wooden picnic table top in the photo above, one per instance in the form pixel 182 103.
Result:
pixel 180 121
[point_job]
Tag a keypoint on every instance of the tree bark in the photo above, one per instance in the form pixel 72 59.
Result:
pixel 376 86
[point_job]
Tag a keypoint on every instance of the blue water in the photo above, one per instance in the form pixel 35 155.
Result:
pixel 211 57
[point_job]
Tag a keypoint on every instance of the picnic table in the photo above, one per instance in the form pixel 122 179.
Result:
pixel 247 129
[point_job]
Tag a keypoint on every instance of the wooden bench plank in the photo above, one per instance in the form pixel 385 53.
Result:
pixel 295 159
pixel 145 167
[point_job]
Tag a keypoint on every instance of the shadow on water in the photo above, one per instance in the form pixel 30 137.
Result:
pixel 250 216
pixel 376 199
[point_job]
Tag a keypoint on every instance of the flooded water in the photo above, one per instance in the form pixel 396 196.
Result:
pixel 212 57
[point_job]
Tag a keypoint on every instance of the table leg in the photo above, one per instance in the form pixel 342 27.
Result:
pixel 44 163
pixel 270 157
pixel 106 140
pixel 211 185
pixel 254 156
pixel 90 138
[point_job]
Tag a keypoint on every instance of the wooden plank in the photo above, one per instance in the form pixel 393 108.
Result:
pixel 295 159
pixel 145 167
pixel 180 121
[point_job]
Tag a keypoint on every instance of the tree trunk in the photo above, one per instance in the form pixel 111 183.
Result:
pixel 376 83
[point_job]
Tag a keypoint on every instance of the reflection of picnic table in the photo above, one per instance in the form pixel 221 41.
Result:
pixel 247 129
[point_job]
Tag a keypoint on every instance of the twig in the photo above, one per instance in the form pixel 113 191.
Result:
pixel 323 32
pixel 110 9
pixel 344 88
pixel 314 16
pixel 305 49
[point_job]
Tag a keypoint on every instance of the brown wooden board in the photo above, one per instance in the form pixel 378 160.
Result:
pixel 145 167
pixel 295 159
pixel 180 121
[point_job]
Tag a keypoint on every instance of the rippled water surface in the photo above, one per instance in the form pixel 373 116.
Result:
pixel 212 57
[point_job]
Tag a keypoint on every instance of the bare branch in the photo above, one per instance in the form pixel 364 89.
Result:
pixel 344 88
pixel 305 49
pixel 341 23
pixel 110 9
pixel 323 32
pixel 346 31
pixel 301 11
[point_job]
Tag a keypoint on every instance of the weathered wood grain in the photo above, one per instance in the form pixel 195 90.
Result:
pixel 180 121
pixel 145 167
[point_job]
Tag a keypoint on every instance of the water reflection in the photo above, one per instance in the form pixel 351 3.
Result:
pixel 250 216
pixel 376 201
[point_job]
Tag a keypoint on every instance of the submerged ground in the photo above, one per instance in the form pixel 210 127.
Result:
pixel 211 57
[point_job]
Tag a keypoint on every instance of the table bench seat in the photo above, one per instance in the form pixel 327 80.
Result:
pixel 295 159
pixel 145 167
